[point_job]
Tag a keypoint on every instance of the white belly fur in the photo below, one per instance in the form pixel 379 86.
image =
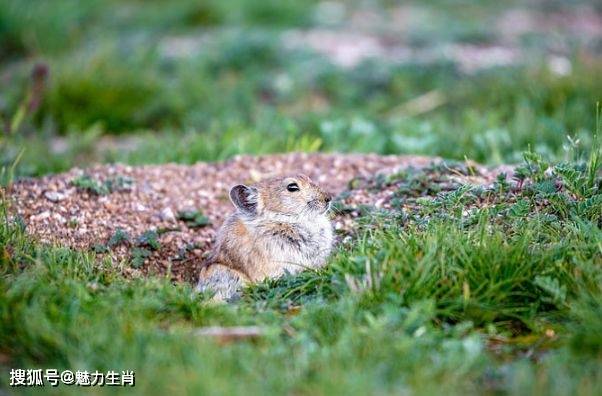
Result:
pixel 317 238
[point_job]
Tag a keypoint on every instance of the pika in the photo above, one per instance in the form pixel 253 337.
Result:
pixel 280 226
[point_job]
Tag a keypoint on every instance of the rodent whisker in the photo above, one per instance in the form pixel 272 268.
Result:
pixel 335 210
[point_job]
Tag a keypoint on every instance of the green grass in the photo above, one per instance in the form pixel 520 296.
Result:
pixel 43 28
pixel 491 118
pixel 452 296
pixel 243 90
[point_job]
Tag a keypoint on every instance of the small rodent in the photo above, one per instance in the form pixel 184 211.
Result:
pixel 281 226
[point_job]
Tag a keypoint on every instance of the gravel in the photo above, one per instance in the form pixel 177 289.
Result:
pixel 57 212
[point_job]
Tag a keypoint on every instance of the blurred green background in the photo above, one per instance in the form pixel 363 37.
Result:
pixel 185 81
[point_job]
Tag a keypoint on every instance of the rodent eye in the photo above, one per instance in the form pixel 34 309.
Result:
pixel 293 187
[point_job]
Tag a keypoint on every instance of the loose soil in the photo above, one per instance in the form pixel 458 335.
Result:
pixel 151 198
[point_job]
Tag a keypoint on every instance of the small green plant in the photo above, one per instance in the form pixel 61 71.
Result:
pixel 94 186
pixel 149 239
pixel 90 185
pixel 120 237
pixel 194 218
pixel 141 247
pixel 535 166
pixel 501 184
pixel 100 248
pixel 139 255
pixel 119 183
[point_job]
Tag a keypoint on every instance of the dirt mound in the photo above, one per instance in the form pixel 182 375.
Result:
pixel 165 217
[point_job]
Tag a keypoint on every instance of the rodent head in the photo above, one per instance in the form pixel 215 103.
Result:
pixel 294 195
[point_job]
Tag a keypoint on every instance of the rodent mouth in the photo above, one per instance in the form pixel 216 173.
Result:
pixel 319 206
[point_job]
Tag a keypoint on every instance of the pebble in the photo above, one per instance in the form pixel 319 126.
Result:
pixel 41 216
pixel 167 215
pixel 165 189
pixel 54 196
pixel 60 219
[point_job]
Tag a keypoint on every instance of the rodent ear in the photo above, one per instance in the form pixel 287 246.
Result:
pixel 244 198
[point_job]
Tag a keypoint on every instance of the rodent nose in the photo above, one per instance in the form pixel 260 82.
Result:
pixel 327 198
